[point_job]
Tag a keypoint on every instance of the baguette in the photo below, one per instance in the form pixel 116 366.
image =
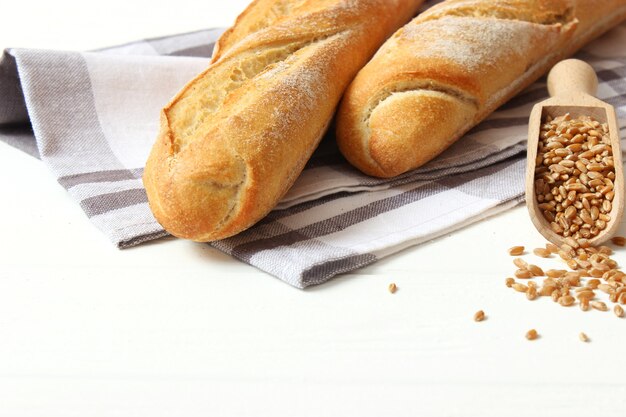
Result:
pixel 452 66
pixel 234 139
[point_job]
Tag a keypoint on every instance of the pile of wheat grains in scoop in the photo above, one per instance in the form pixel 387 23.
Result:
pixel 574 175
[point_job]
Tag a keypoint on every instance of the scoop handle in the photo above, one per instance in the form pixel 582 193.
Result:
pixel 572 76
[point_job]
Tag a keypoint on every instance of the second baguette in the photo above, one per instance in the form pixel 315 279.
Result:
pixel 451 67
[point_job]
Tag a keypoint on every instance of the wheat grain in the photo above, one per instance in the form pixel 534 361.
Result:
pixel 532 334
pixel 479 315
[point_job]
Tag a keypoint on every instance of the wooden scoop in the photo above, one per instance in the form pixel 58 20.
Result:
pixel 572 85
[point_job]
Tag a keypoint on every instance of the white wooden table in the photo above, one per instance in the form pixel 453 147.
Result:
pixel 174 328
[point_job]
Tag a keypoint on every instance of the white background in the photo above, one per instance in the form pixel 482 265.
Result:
pixel 174 328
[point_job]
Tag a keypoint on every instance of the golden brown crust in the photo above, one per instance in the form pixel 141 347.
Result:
pixel 258 15
pixel 234 140
pixel 452 66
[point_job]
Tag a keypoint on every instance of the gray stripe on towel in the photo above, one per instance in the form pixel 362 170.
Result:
pixel 70 181
pixel 104 203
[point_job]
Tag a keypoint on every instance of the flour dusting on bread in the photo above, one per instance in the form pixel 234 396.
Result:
pixel 470 42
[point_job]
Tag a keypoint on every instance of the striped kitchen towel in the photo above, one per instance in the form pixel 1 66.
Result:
pixel 92 118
